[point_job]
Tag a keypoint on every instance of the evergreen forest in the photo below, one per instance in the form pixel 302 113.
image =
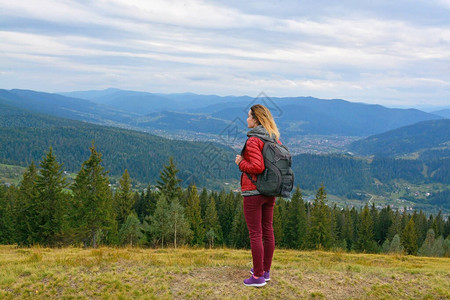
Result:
pixel 45 209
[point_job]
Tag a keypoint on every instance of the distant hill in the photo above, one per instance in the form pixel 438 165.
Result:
pixel 135 102
pixel 310 116
pixel 359 118
pixel 420 136
pixel 144 103
pixel 443 113
pixel 295 115
pixel 92 94
pixel 65 107
pixel 25 136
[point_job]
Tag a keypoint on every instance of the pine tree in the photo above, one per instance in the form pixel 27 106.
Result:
pixel 146 204
pixel 169 184
pixel 220 205
pixel 395 245
pixel 193 213
pixel 385 247
pixel 159 221
pixel 6 216
pixel 178 225
pixel 130 232
pixel 93 201
pixel 354 214
pixel 365 232
pixel 409 238
pixel 280 238
pixel 226 214
pixel 396 226
pixel 136 197
pixel 335 230
pixel 296 222
pixel 385 218
pixel 140 206
pixel 239 231
pixel 52 202
pixel 211 222
pixel 404 221
pixel 420 220
pixel 204 199
pixel 439 224
pixel 438 247
pixel 427 246
pixel 184 196
pixel 319 233
pixel 347 229
pixel 430 222
pixel 124 199
pixel 26 213
pixel 375 223
pixel 277 225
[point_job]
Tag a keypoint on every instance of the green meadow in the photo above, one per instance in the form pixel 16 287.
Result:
pixel 189 273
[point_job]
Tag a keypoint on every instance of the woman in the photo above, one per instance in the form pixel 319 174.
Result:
pixel 258 209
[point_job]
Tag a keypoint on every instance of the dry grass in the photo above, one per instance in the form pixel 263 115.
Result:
pixel 188 273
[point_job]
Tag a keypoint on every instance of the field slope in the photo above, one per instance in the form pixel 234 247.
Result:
pixel 202 273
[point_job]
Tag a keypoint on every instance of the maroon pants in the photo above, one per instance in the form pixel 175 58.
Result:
pixel 258 211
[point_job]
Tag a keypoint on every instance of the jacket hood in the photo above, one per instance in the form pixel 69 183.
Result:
pixel 260 132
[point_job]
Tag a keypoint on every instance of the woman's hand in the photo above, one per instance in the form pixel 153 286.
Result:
pixel 238 159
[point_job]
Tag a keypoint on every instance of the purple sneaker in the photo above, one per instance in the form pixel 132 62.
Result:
pixel 266 274
pixel 252 281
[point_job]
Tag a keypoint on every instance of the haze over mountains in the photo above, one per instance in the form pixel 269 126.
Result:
pixel 211 114
pixel 443 113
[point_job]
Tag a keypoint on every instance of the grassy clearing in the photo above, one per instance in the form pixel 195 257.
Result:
pixel 202 273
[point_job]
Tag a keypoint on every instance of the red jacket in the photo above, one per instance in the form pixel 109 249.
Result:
pixel 252 162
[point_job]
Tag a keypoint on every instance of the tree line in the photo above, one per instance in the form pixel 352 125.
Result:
pixel 45 209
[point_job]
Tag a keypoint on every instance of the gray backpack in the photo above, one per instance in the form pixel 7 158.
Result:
pixel 277 179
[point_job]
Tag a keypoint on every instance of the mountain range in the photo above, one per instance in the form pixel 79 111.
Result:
pixel 209 113
pixel 214 118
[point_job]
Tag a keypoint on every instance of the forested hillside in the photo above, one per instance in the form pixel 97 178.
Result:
pixel 26 136
pixel 348 176
pixel 420 136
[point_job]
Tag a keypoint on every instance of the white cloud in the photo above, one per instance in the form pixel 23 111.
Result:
pixel 444 3
pixel 357 55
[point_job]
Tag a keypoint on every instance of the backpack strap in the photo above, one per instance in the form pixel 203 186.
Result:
pixel 250 177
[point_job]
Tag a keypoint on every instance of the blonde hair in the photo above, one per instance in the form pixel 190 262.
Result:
pixel 264 117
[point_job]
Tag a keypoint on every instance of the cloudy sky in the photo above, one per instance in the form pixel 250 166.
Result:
pixel 394 53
